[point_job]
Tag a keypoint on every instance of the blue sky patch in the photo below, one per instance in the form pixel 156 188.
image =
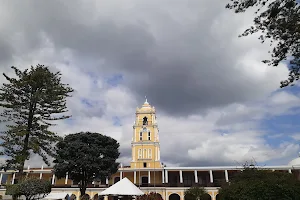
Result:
pixel 114 80
pixel 280 128
pixel 116 121
pixel 70 121
pixel 86 102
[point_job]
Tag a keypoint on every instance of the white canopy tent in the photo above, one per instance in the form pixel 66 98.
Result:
pixel 123 188
pixel 56 195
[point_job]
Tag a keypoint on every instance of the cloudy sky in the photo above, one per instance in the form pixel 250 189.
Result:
pixel 216 103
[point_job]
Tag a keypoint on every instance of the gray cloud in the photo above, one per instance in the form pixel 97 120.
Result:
pixel 174 55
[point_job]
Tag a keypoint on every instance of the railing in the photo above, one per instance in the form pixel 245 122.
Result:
pixel 215 184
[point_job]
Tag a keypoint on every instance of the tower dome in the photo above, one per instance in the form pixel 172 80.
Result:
pixel 146 108
pixel 146 103
pixel 295 162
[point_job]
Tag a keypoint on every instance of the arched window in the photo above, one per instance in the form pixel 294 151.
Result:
pixel 140 153
pixel 145 121
pixel 141 135
pixel 149 135
pixel 150 153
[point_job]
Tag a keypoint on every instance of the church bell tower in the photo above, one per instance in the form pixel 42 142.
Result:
pixel 145 141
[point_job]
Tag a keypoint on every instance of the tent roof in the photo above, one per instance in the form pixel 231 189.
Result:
pixel 123 187
pixel 56 195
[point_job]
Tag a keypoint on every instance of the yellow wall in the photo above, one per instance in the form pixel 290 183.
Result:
pixel 157 176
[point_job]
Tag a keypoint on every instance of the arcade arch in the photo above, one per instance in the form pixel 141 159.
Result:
pixel 174 196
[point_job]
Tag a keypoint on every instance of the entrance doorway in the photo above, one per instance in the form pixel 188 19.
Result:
pixel 144 181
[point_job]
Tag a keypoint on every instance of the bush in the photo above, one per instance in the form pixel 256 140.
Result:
pixel 32 188
pixel 13 190
pixel 150 196
pixel 195 193
pixel 85 197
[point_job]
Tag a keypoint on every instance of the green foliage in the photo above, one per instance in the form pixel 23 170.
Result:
pixel 85 197
pixel 150 196
pixel 13 190
pixel 195 193
pixel 86 156
pixel 253 183
pixel 32 188
pixel 30 102
pixel 278 22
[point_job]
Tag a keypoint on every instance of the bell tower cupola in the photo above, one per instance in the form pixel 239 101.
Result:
pixel 145 141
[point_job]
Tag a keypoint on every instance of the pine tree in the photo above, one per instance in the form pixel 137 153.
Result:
pixel 30 102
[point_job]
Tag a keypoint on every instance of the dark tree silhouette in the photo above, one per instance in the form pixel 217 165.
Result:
pixel 278 22
pixel 85 157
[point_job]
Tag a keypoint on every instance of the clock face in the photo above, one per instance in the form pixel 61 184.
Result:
pixel 144 129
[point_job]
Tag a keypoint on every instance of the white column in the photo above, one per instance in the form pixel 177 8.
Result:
pixel 66 179
pixel 167 179
pixel 158 154
pixel 196 176
pixel 290 171
pixel 149 176
pixel 106 181
pixel 121 175
pixel 1 176
pixel 134 177
pixel 41 174
pixel 180 176
pixel 13 178
pixel 53 179
pixel 163 176
pixel 226 175
pixel 28 168
pixel 211 176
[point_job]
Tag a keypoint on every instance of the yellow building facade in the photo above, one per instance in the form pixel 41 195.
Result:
pixel 146 170
pixel 145 141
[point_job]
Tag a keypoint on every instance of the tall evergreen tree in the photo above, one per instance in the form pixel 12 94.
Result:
pixel 30 102
pixel 278 22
